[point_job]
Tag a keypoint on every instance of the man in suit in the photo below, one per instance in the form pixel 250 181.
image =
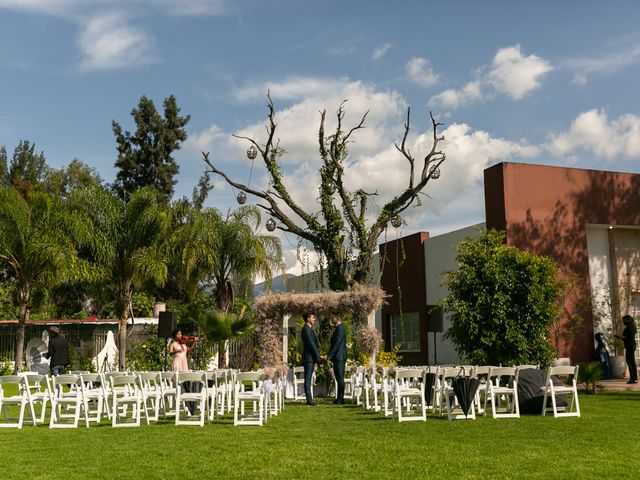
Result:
pixel 310 354
pixel 338 355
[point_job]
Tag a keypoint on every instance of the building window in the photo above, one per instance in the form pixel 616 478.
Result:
pixel 405 331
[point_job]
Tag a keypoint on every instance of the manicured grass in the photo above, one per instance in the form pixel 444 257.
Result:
pixel 330 441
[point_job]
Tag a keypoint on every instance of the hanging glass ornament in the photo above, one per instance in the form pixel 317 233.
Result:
pixel 271 224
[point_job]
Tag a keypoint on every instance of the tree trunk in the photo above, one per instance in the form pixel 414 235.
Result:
pixel 122 329
pixel 24 296
pixel 22 321
pixel 222 354
pixel 122 343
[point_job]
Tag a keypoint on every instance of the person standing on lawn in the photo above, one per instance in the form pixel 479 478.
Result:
pixel 338 355
pixel 629 339
pixel 58 352
pixel 310 354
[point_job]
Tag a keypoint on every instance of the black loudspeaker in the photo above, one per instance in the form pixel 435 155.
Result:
pixel 435 319
pixel 167 322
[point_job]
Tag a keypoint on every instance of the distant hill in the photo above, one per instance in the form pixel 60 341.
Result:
pixel 277 285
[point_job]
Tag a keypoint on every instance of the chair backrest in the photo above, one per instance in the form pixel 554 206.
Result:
pixel 504 375
pixel 409 373
pixel 123 380
pixel 564 371
pixel 482 370
pixel 451 372
pixel 92 378
pixel 249 376
pixel 524 367
pixel 297 370
pixel 12 380
pixel 182 377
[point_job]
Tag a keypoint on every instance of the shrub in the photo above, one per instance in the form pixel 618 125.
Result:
pixel 502 302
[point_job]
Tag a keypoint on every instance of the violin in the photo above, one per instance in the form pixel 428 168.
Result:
pixel 190 339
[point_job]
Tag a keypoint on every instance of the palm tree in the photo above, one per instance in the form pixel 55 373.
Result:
pixel 241 255
pixel 223 253
pixel 126 245
pixel 38 243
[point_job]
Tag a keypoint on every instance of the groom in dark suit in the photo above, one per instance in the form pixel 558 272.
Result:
pixel 310 353
pixel 338 355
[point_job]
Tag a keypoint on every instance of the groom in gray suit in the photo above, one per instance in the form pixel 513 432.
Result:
pixel 338 355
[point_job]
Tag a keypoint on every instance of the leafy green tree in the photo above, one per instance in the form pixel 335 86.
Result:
pixel 27 169
pixel 502 302
pixel 240 253
pixel 60 182
pixel 126 244
pixel 38 244
pixel 145 156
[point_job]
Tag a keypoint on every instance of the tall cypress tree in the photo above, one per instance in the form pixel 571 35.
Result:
pixel 145 157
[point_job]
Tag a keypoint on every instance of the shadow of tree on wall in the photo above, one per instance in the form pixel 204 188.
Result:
pixel 591 197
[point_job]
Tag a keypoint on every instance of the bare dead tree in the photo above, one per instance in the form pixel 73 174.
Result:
pixel 342 216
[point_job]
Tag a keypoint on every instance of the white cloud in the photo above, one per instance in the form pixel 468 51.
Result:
pixel 292 88
pixel 452 98
pixel 515 75
pixel 381 51
pixel 593 132
pixel 511 73
pixel 108 42
pixel 342 50
pixel 108 39
pixel 420 72
pixel 298 123
pixel 623 56
pixel 579 80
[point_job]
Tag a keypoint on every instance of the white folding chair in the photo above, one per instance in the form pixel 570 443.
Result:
pixel 37 393
pixel 254 396
pixel 357 385
pixel 298 383
pixel 20 399
pixel 191 396
pixel 93 393
pixel 410 394
pixel 569 388
pixel 503 392
pixel 124 394
pixel 481 373
pixel 66 401
pixel 212 394
pixel 150 385
pixel 168 390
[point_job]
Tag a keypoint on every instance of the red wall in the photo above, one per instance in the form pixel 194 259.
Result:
pixel 546 209
pixel 413 288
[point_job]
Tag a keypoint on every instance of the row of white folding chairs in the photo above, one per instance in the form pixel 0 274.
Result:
pixel 256 397
pixel 113 394
pixel 498 391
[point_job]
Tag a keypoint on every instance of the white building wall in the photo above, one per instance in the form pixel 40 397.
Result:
pixel 440 257
pixel 600 274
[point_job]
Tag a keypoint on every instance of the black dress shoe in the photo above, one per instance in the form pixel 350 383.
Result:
pixel 632 381
pixel 338 402
pixel 311 404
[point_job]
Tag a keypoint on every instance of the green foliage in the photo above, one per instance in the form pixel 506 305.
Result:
pixel 27 169
pixel 501 302
pixel 8 310
pixel 60 182
pixel 145 157
pixel 6 367
pixel 142 304
pixel 588 375
pixel 219 326
pixel 147 354
pixel 389 359
pixel 125 243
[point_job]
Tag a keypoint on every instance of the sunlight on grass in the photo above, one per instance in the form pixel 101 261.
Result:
pixel 341 442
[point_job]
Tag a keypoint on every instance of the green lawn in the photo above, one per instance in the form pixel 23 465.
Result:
pixel 329 441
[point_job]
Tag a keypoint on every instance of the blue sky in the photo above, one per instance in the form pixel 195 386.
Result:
pixel 542 82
